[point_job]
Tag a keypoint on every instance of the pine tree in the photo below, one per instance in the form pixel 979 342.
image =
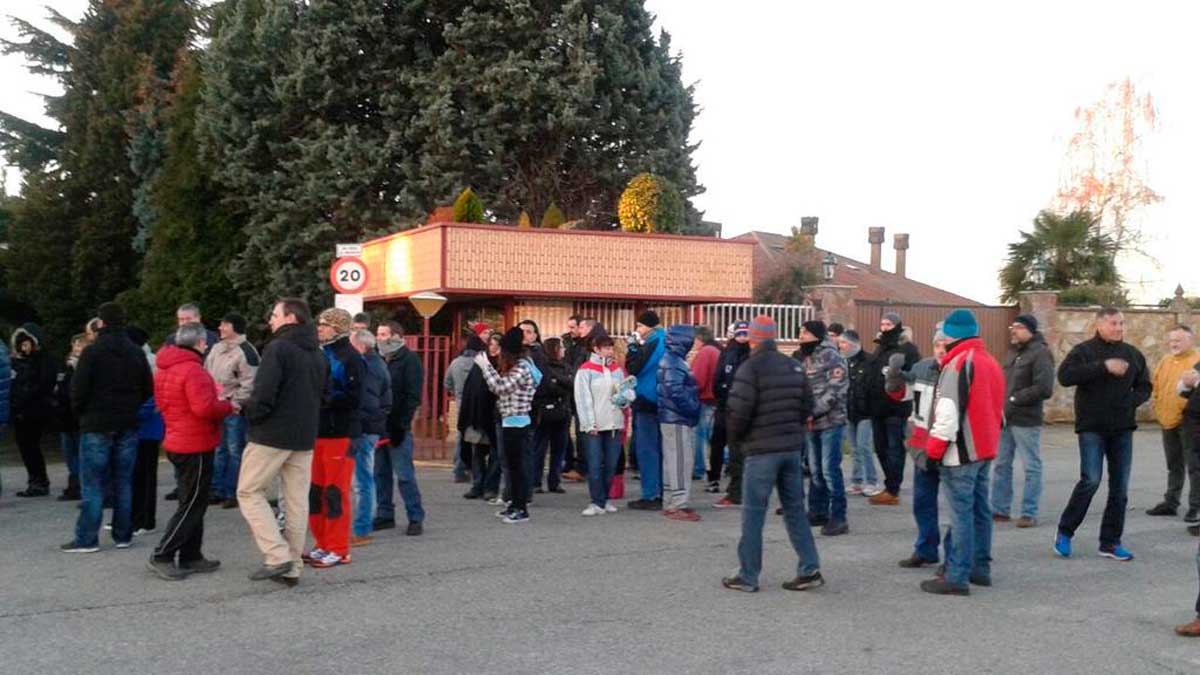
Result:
pixel 523 220
pixel 468 208
pixel 553 217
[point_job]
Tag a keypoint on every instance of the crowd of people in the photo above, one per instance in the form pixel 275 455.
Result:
pixel 315 434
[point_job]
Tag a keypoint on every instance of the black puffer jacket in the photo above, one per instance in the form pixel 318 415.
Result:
pixel 895 341
pixel 1029 381
pixel 734 355
pixel 770 403
pixel 111 382
pixel 405 368
pixel 284 409
pixel 858 405
pixel 552 402
pixel 1105 403
pixel 32 393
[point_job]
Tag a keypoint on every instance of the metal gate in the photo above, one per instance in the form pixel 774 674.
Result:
pixel 923 319
pixel 434 353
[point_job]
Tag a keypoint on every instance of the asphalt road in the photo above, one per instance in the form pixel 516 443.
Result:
pixel 624 593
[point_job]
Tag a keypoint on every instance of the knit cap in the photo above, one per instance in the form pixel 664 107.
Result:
pixel 960 324
pixel 648 318
pixel 336 318
pixel 818 329
pixel 762 328
pixel 893 317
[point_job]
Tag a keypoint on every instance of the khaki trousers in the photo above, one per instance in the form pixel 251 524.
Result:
pixel 260 465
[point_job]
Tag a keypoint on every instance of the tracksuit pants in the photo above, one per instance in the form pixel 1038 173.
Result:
pixel 184 534
pixel 329 512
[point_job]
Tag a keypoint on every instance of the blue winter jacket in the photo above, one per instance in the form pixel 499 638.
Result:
pixel 642 363
pixel 150 422
pixel 5 384
pixel 678 393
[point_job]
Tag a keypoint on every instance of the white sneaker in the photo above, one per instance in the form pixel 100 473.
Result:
pixel 124 544
pixel 141 531
pixel 871 490
pixel 855 489
pixel 498 501
pixel 327 560
pixel 593 510
pixel 609 508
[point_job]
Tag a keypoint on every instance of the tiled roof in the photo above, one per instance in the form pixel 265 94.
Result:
pixel 875 285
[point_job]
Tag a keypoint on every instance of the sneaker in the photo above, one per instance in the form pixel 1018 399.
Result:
pixel 34 492
pixel 943 587
pixel 108 527
pixel 609 508
pixel 737 584
pixel 329 560
pixel 645 505
pixel 72 547
pixel 201 566
pixel 124 544
pixel 270 571
pixel 498 501
pixel 804 583
pixel 885 499
pixel 503 513
pixel 166 570
pixel 1062 545
pixel 143 531
pixel 871 490
pixel 364 540
pixel 1026 522
pixel 1119 553
pixel 726 503
pixel 1001 518
pixel 314 554
pixel 516 517
pixel 1192 516
pixel 1189 629
pixel 593 510
pixel 1162 509
pixel 489 497
pixel 713 488
pixel 854 490
pixel 835 528
pixel 915 561
pixel 472 494
pixel 686 515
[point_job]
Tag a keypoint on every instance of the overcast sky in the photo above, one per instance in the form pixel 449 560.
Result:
pixel 945 120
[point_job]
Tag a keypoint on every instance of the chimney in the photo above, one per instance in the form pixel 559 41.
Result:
pixel 875 236
pixel 808 232
pixel 901 244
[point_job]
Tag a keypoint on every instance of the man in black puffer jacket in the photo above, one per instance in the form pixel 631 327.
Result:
pixel 888 416
pixel 769 408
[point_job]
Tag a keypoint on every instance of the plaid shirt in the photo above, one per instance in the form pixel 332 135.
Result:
pixel 514 390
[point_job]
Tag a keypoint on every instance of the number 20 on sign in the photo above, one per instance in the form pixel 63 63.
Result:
pixel 348 275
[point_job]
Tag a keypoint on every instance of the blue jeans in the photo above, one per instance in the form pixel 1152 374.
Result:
pixel 703 434
pixel 228 459
pixel 70 450
pixel 1027 441
pixel 648 442
pixel 925 512
pixel 863 452
pixel 828 491
pixel 888 434
pixel 1094 449
pixel 397 459
pixel 969 550
pixel 363 448
pixel 461 470
pixel 603 450
pixel 760 475
pixel 106 460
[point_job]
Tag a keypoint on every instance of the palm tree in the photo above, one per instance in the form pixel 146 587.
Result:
pixel 1076 255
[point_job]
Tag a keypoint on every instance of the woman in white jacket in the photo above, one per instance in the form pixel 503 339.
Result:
pixel 600 400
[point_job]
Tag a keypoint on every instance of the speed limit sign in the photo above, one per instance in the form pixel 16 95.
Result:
pixel 348 275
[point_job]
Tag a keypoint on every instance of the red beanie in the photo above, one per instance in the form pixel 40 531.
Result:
pixel 762 328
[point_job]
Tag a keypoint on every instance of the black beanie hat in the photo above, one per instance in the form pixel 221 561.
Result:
pixel 137 335
pixel 1029 321
pixel 112 314
pixel 648 319
pixel 817 328
pixel 513 341
pixel 237 321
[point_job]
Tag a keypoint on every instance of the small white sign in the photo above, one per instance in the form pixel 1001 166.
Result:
pixel 349 251
pixel 352 303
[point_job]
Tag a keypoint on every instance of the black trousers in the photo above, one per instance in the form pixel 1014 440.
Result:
pixel 514 445
pixel 716 446
pixel 145 486
pixel 28 434
pixel 185 532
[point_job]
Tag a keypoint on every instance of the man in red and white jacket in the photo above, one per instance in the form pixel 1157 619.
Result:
pixel 187 397
pixel 964 435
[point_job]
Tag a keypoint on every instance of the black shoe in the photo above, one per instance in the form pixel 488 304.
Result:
pixel 414 530
pixel 804 583
pixel 172 496
pixel 270 571
pixel 538 491
pixel 290 582
pixel 1163 509
pixel 1192 516
pixel 981 580
pixel 645 505
pixel 737 584
pixel 814 521
pixel 70 495
pixel 34 492
pixel 462 479
pixel 915 561
pixel 201 566
pixel 383 524
pixel 230 503
pixel 166 570
pixel 834 528
pixel 943 587
pixel 472 494
pixel 558 490
pixel 489 496
pixel 213 500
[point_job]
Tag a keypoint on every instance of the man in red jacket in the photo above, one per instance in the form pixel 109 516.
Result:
pixel 964 435
pixel 704 369
pixel 187 397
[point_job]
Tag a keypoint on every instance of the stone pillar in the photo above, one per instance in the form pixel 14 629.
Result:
pixel 900 242
pixel 875 237
pixel 836 303
pixel 1179 305
pixel 1043 305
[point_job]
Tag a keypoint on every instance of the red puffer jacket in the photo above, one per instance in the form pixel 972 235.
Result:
pixel 187 397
